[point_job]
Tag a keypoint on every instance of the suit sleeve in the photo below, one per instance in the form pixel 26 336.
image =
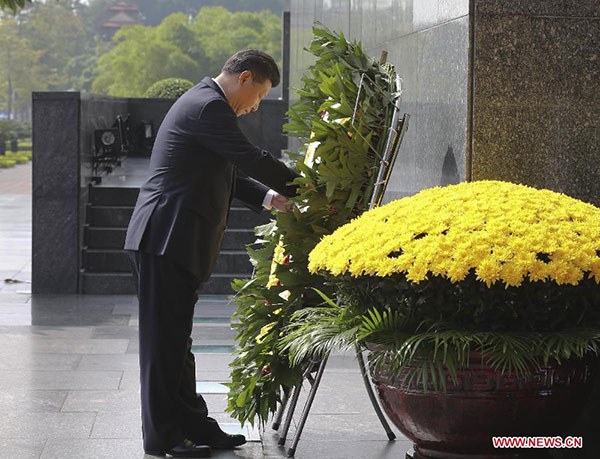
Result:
pixel 218 131
pixel 250 191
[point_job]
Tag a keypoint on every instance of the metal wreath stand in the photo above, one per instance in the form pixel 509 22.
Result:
pixel 395 136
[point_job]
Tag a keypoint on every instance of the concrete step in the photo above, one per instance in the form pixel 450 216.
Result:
pixel 242 217
pixel 113 196
pixel 237 238
pixel 105 260
pixel 122 283
pixel 104 238
pixel 116 261
pixel 114 238
pixel 221 283
pixel 119 216
pixel 108 283
pixel 123 196
pixel 109 216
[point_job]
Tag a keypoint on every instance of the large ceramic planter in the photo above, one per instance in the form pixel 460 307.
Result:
pixel 484 403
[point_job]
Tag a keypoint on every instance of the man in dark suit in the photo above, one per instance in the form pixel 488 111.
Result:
pixel 199 162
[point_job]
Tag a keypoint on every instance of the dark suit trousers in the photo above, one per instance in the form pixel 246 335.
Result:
pixel 167 294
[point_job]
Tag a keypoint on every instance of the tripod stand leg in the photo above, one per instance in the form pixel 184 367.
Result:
pixel 290 413
pixel 309 401
pixel 367 380
pixel 280 411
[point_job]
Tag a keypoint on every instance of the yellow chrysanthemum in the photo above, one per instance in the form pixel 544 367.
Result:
pixel 264 331
pixel 502 231
pixel 278 258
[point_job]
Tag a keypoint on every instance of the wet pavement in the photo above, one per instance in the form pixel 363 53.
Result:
pixel 69 374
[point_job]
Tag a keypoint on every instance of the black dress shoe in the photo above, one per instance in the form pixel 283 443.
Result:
pixel 209 433
pixel 227 441
pixel 186 448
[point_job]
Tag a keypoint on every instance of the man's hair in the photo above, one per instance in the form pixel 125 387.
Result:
pixel 260 64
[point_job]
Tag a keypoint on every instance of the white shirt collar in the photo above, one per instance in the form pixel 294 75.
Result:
pixel 221 87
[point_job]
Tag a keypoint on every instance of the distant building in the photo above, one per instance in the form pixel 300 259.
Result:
pixel 120 14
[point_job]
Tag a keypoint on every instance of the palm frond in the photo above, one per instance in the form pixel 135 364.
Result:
pixel 315 332
pixel 426 356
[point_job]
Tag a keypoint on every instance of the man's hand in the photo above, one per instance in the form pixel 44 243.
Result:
pixel 279 202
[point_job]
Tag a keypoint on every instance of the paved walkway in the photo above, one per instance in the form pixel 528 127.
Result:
pixel 16 179
pixel 69 375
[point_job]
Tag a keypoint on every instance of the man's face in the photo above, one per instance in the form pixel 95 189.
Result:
pixel 250 93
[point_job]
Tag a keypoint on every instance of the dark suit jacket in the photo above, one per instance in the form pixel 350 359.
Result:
pixel 183 206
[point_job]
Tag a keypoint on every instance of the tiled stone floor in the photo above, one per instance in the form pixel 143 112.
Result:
pixel 69 381
pixel 69 375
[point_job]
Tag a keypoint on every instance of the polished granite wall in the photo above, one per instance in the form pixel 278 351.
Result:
pixel 537 94
pixel 428 42
pixel 496 89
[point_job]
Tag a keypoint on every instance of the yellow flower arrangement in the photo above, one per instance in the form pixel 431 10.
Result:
pixel 503 231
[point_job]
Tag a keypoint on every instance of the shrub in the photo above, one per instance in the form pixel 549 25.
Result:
pixel 6 162
pixel 13 128
pixel 169 88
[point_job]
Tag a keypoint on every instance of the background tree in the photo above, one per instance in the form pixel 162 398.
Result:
pixel 56 31
pixel 13 5
pixel 222 33
pixel 182 47
pixel 37 45
pixel 154 11
pixel 56 44
pixel 141 58
pixel 20 68
pixel 83 68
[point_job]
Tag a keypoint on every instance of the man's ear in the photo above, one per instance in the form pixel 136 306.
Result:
pixel 246 75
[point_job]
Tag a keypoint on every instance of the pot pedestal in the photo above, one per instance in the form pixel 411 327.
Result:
pixel 434 454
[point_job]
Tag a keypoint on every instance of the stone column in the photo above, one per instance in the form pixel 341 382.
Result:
pixel 55 175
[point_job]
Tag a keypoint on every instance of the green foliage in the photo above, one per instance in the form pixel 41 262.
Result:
pixel 182 47
pixel 326 328
pixel 56 32
pixel 424 356
pixel 154 11
pixel 434 325
pixel 37 45
pixel 20 157
pixel 139 59
pixel 6 162
pixel 55 45
pixel 14 5
pixel 20 66
pixel 471 305
pixel 220 33
pixel 335 189
pixel 10 158
pixel 10 129
pixel 170 88
pixel 82 68
pixel 408 352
